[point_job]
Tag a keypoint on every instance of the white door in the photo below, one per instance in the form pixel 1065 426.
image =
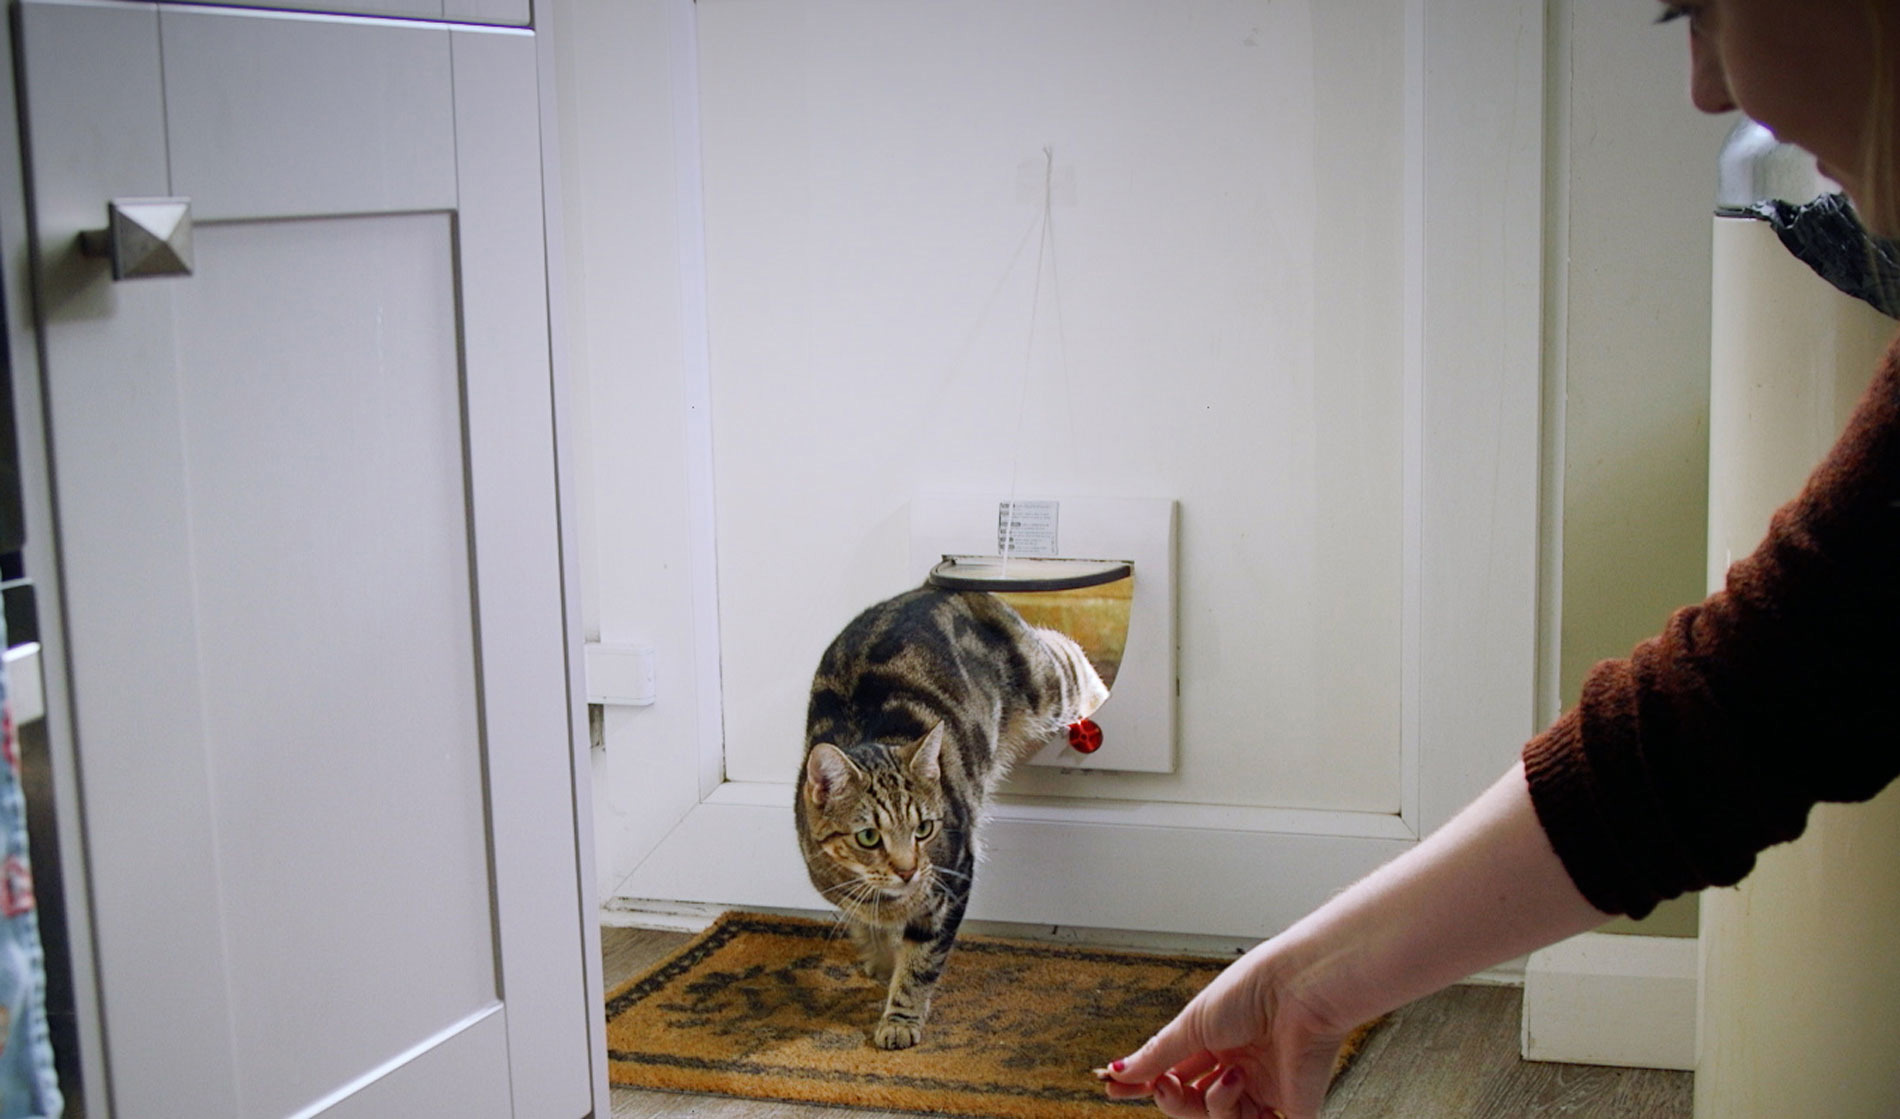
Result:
pixel 307 556
pixel 878 270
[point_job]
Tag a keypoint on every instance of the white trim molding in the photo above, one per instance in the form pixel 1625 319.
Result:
pixel 1608 999
pixel 736 849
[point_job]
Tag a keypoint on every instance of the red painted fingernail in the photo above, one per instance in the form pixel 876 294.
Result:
pixel 1117 1066
pixel 1231 1077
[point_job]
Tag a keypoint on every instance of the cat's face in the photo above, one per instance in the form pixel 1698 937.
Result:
pixel 872 816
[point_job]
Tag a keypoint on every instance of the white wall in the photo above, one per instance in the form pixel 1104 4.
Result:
pixel 1218 320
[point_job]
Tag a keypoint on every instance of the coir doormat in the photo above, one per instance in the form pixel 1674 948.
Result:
pixel 775 1008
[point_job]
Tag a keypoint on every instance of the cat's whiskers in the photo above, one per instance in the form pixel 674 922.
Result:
pixel 857 894
pixel 940 882
pixel 848 884
pixel 841 922
pixel 846 892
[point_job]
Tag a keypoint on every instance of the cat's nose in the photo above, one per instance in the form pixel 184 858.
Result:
pixel 906 873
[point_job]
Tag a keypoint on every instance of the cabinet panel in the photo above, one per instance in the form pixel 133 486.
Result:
pixel 514 13
pixel 511 441
pixel 412 9
pixel 310 634
pixel 303 116
pixel 91 81
pixel 331 586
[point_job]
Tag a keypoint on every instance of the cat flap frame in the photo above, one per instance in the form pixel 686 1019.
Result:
pixel 1138 720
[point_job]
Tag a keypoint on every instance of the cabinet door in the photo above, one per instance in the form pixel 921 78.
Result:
pixel 309 566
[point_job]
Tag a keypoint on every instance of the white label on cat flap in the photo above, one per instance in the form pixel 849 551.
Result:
pixel 1026 528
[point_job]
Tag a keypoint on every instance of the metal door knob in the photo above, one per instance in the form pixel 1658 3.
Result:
pixel 143 237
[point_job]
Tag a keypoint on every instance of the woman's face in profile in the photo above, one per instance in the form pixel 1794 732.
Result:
pixel 1802 68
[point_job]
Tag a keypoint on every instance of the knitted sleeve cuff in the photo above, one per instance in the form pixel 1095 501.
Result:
pixel 1563 791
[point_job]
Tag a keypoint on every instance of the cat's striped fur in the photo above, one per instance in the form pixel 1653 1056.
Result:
pixel 917 710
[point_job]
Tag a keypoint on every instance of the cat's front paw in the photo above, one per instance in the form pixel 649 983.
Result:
pixel 897 1033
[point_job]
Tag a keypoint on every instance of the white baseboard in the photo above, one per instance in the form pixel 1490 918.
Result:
pixel 1604 999
pixel 645 913
pixel 1510 973
pixel 735 850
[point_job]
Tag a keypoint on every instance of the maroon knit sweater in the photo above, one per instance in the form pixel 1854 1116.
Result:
pixel 1715 738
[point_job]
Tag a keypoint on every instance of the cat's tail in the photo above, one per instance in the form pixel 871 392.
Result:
pixel 1083 692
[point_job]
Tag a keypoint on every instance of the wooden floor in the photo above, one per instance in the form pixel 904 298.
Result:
pixel 1450 1056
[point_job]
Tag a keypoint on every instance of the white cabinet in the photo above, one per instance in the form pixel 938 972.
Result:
pixel 298 513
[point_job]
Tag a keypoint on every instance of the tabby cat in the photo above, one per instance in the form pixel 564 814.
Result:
pixel 918 709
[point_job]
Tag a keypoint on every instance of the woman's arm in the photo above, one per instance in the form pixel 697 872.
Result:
pixel 1485 888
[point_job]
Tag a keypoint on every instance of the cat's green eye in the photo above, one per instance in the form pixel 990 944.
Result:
pixel 868 838
pixel 926 829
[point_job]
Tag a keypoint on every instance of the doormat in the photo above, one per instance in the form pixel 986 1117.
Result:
pixel 775 1008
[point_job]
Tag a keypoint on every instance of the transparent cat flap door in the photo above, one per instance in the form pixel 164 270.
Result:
pixel 1086 599
pixel 1105 578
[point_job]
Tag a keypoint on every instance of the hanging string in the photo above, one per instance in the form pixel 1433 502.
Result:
pixel 954 368
pixel 1045 250
pixel 1042 228
pixel 1055 291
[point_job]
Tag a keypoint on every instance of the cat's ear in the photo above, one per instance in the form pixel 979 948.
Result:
pixel 924 760
pixel 828 773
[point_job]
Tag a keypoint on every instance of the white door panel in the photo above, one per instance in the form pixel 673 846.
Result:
pixel 309 561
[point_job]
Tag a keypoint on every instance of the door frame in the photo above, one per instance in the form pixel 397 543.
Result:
pixel 1474 135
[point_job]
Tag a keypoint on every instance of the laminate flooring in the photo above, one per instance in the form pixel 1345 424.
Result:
pixel 1452 1055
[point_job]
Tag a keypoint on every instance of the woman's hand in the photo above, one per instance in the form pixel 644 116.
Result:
pixel 1247 1047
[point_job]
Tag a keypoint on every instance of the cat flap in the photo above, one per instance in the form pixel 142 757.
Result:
pixel 1025 573
pixel 1090 600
